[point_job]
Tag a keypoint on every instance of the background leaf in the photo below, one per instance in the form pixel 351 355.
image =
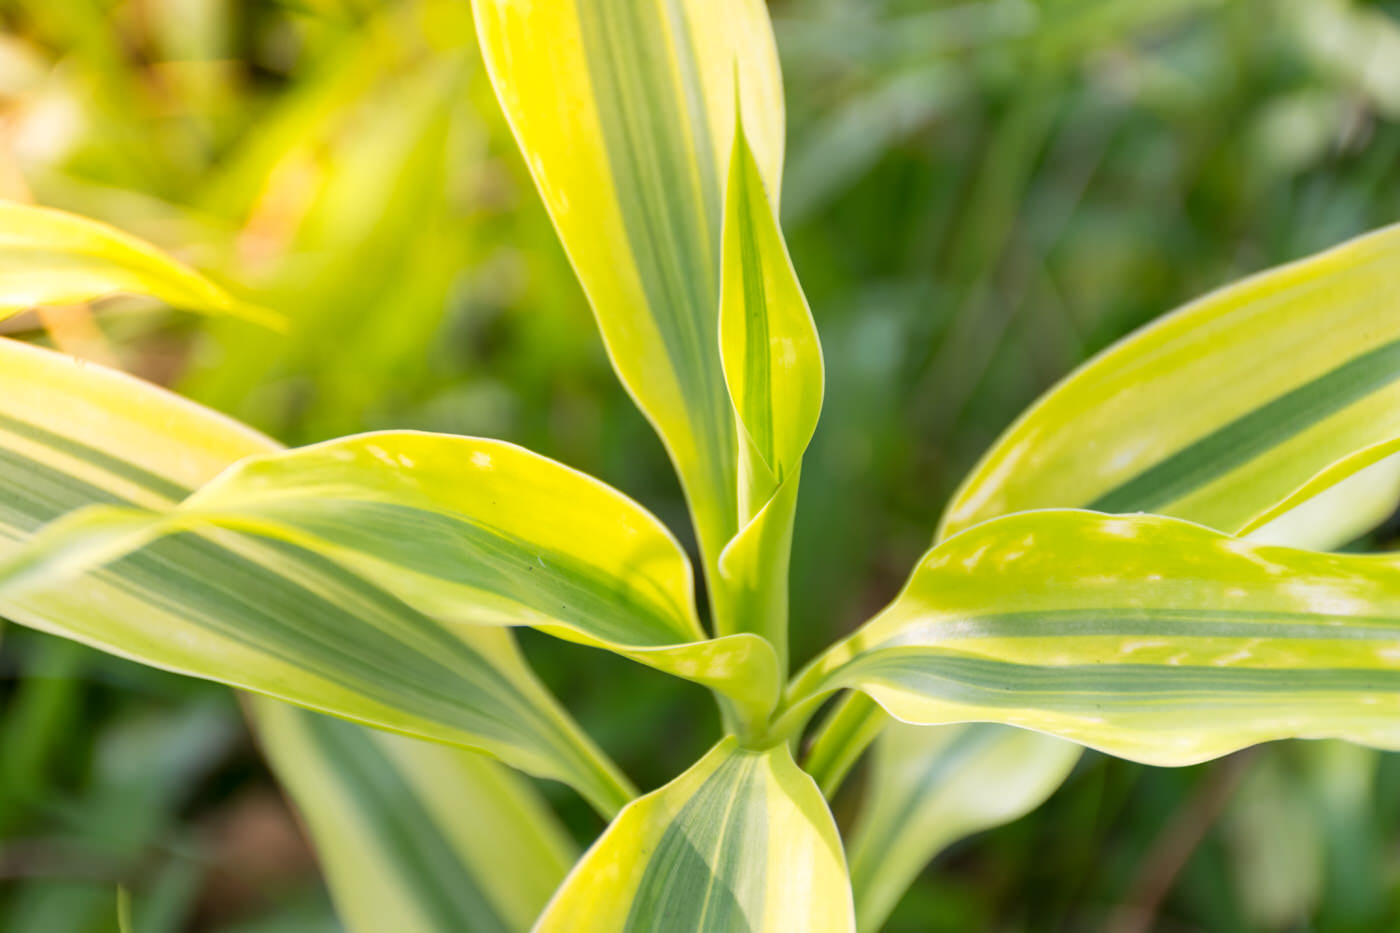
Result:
pixel 49 257
pixel 412 835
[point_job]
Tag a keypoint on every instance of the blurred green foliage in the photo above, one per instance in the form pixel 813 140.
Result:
pixel 979 195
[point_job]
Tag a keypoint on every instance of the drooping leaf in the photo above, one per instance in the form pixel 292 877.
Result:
pixel 773 367
pixel 930 787
pixel 50 257
pixel 1150 638
pixel 1221 410
pixel 414 836
pixel 262 615
pixel 741 841
pixel 467 531
pixel 624 111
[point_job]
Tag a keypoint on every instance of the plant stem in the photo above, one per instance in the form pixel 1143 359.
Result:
pixel 842 738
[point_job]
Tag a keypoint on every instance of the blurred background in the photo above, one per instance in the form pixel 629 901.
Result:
pixel 978 196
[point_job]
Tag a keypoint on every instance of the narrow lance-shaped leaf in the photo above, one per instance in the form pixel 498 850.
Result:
pixel 932 786
pixel 468 531
pixel 415 836
pixel 773 367
pixel 262 615
pixel 1150 638
pixel 623 110
pixel 1222 410
pixel 741 841
pixel 50 257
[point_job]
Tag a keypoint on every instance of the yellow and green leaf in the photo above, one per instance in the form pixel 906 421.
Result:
pixel 50 257
pixel 624 111
pixel 1244 399
pixel 773 368
pixel 741 841
pixel 262 615
pixel 931 787
pixel 468 531
pixel 415 836
pixel 1150 638
pixel 1108 420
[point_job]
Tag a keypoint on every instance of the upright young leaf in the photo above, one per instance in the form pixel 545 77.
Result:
pixel 741 841
pixel 1150 638
pixel 414 836
pixel 623 110
pixel 468 531
pixel 768 341
pixel 50 257
pixel 773 366
pixel 930 787
pixel 262 615
pixel 1221 410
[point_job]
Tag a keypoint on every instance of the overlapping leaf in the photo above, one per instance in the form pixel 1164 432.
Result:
pixel 49 257
pixel 741 841
pixel 468 531
pixel 1151 638
pixel 1109 418
pixel 623 110
pixel 773 368
pixel 1222 410
pixel 263 615
pixel 414 836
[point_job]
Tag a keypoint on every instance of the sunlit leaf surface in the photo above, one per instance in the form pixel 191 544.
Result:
pixel 742 841
pixel 266 616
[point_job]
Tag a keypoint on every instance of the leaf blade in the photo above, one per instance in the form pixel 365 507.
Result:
pixel 415 836
pixel 743 840
pixel 931 787
pixel 625 126
pixel 1150 638
pixel 72 435
pixel 1212 440
pixel 470 532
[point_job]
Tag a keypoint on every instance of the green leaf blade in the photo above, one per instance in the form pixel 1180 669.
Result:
pixel 262 615
pixel 1149 638
pixel 768 341
pixel 466 532
pixel 625 123
pixel 415 836
pixel 741 841
pixel 930 787
pixel 1182 418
